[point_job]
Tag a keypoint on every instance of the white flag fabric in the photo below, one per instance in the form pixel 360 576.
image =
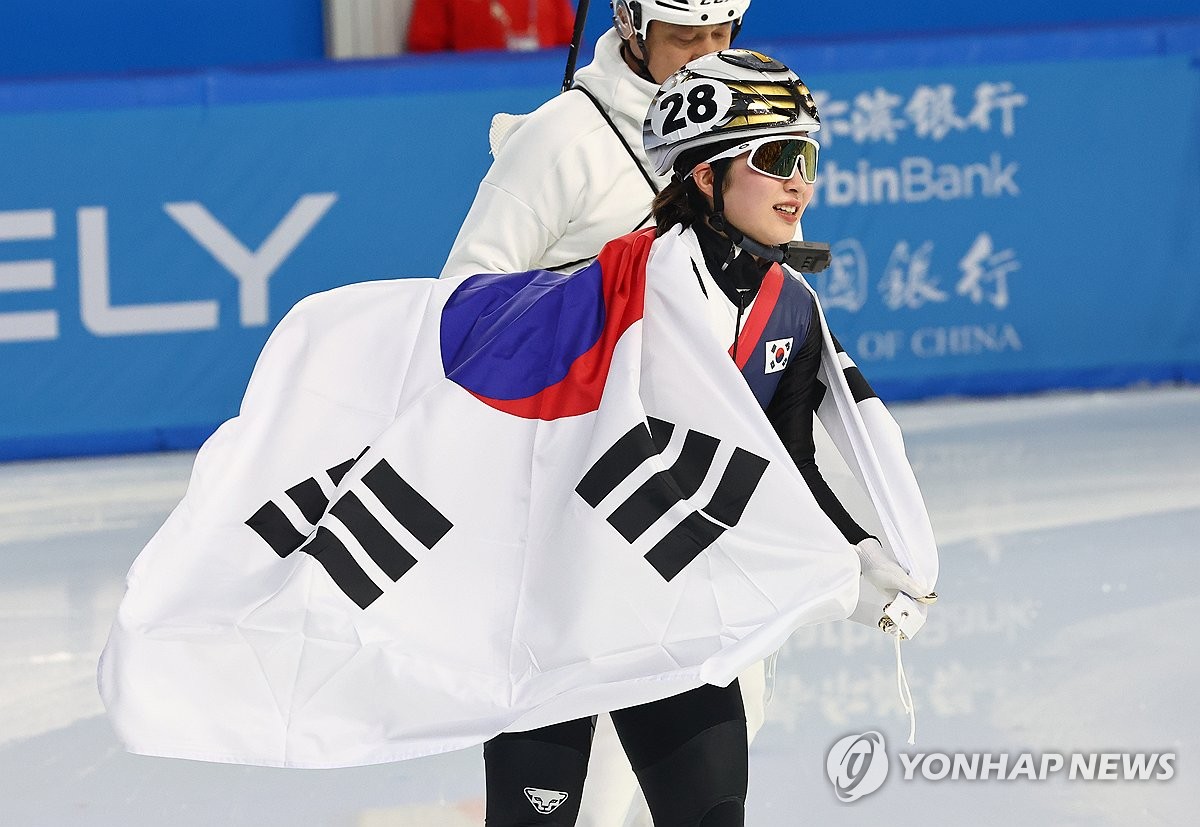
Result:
pixel 450 508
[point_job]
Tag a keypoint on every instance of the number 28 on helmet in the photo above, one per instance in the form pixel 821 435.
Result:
pixel 723 100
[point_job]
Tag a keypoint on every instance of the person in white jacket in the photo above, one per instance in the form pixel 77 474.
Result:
pixel 572 175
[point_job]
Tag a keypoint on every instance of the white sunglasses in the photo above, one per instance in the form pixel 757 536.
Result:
pixel 778 157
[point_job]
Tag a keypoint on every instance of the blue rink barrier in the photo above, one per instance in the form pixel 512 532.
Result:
pixel 1007 213
pixel 58 37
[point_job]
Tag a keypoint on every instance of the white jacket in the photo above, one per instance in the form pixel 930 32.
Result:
pixel 562 185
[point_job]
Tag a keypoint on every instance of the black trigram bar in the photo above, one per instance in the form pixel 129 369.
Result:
pixel 683 544
pixel 699 530
pixel 339 471
pixel 655 496
pixel 860 388
pixel 384 549
pixel 737 485
pixel 310 499
pixel 276 529
pixel 618 462
pixel 660 432
pixel 342 568
pixel 410 509
pixel 270 522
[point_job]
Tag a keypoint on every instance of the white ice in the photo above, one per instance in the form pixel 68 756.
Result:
pixel 1068 599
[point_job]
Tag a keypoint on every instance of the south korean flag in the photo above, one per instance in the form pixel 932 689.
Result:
pixel 571 502
pixel 778 351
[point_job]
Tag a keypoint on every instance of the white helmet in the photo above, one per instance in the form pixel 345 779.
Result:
pixel 723 98
pixel 631 16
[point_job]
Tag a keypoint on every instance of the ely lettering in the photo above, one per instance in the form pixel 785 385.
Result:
pixel 251 268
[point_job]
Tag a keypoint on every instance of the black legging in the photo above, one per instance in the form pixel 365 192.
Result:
pixel 688 752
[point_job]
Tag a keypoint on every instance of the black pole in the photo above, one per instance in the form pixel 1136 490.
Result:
pixel 573 55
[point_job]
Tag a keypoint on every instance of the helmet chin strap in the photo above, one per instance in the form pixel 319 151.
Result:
pixel 741 241
pixel 643 67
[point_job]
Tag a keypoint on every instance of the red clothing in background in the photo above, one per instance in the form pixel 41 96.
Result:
pixel 464 25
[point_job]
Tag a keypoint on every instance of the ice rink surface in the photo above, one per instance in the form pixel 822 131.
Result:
pixel 1067 624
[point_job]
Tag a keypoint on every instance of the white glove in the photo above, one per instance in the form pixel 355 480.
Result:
pixel 882 570
pixel 883 578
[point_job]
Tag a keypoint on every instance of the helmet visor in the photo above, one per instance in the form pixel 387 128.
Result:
pixel 778 157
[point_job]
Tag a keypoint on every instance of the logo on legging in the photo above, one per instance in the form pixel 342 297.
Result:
pixel 545 801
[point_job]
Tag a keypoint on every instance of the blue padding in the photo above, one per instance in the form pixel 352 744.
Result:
pixel 1008 213
pixel 1073 43
pixel 105 442
pixel 1002 384
pixel 60 37
pixel 408 74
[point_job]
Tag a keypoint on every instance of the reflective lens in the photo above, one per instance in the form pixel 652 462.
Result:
pixel 778 158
